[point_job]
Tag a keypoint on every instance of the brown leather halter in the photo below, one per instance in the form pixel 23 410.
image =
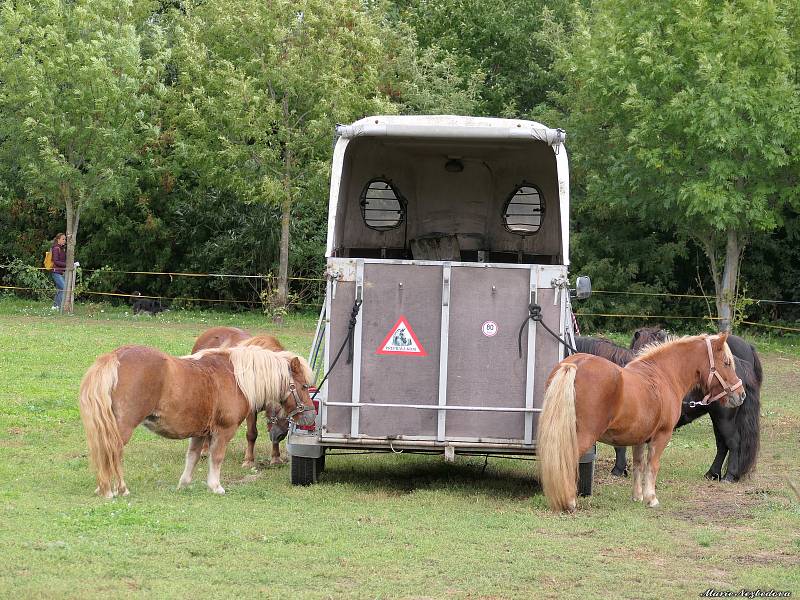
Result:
pixel 726 389
pixel 299 407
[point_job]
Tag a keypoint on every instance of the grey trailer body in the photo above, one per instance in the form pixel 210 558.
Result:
pixel 442 232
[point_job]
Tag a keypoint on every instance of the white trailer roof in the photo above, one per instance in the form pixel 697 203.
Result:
pixel 448 132
pixel 451 127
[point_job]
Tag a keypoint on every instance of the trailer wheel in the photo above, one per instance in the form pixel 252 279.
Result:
pixel 304 470
pixel 585 476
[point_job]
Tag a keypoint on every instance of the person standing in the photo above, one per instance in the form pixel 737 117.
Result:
pixel 59 253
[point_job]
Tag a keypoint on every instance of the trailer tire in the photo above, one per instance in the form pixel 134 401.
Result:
pixel 304 470
pixel 585 477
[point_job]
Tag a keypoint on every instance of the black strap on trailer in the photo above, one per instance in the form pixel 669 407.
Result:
pixel 535 314
pixel 348 340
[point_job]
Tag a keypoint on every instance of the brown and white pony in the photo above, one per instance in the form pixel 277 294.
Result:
pixel 205 396
pixel 278 427
pixel 590 399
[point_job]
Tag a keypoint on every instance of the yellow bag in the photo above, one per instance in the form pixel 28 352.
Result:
pixel 48 260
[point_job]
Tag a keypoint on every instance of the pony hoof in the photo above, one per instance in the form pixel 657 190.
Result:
pixel 183 483
pixel 218 490
pixel 730 478
pixel 619 472
pixel 276 461
pixel 637 498
pixel 653 503
pixel 712 475
pixel 248 464
pixel 125 492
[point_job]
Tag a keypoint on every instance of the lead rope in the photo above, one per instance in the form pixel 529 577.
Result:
pixel 535 314
pixel 349 339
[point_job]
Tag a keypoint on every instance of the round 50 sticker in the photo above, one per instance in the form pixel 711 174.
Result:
pixel 489 328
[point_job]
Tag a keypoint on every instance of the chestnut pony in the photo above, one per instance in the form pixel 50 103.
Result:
pixel 278 427
pixel 590 399
pixel 203 396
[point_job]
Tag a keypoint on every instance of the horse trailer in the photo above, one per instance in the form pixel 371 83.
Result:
pixel 447 290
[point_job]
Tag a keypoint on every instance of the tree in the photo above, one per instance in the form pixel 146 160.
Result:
pixel 687 114
pixel 260 87
pixel 71 103
pixel 496 42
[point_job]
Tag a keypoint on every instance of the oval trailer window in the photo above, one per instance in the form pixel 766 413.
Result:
pixel 524 210
pixel 382 205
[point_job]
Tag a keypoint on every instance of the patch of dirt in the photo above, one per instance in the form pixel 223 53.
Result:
pixel 12 444
pixel 769 558
pixel 781 424
pixel 250 478
pixel 725 504
pixel 16 431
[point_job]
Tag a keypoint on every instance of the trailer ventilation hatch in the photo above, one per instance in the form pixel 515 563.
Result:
pixel 382 206
pixel 524 210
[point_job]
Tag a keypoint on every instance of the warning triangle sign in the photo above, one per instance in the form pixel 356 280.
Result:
pixel 401 340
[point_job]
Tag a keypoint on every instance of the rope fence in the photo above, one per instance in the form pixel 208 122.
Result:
pixel 317 305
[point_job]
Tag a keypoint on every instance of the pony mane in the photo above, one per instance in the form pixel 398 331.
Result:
pixel 649 350
pixel 307 373
pixel 262 375
pixel 604 348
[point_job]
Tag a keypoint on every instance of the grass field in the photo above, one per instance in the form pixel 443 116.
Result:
pixel 377 526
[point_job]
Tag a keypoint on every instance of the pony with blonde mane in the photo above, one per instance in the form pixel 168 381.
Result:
pixel 278 427
pixel 590 399
pixel 204 396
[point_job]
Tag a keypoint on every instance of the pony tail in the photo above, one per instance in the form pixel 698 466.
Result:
pixel 557 441
pixel 759 371
pixel 748 423
pixel 100 424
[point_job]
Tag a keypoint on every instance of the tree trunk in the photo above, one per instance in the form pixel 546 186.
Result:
pixel 73 219
pixel 286 214
pixel 726 289
pixel 283 267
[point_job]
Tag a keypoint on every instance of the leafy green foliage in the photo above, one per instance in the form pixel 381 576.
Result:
pixel 36 282
pixel 496 43
pixel 687 116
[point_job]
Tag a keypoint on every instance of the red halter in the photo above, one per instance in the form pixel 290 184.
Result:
pixel 727 389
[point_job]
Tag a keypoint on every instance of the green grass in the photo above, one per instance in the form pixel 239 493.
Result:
pixel 377 526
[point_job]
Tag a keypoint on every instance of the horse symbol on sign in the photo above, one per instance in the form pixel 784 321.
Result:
pixel 401 340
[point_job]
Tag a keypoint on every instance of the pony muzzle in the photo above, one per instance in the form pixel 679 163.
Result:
pixel 277 434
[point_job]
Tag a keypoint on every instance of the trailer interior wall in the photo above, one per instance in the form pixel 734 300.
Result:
pixel 467 203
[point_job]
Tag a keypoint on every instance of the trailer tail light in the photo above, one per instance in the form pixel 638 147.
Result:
pixel 311 390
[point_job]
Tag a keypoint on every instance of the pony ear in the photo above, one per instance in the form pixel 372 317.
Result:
pixel 636 334
pixel 295 365
pixel 722 338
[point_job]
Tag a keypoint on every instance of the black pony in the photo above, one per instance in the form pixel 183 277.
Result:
pixel 737 430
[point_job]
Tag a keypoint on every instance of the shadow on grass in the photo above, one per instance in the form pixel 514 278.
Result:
pixel 396 475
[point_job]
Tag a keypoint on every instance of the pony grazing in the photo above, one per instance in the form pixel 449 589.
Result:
pixel 278 427
pixel 590 399
pixel 205 396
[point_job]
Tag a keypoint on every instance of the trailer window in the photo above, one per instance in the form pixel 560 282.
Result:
pixel 382 205
pixel 524 210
